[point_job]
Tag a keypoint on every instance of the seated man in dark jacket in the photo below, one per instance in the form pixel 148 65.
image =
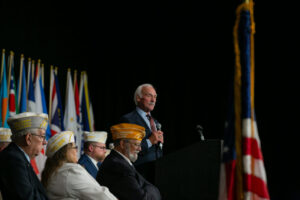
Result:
pixel 17 178
pixel 117 171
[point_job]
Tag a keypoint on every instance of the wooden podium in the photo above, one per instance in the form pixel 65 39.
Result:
pixel 191 172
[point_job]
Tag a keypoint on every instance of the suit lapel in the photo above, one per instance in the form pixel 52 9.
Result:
pixel 92 164
pixel 142 122
pixel 138 177
pixel 89 165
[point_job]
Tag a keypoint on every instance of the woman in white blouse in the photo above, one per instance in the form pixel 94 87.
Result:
pixel 63 178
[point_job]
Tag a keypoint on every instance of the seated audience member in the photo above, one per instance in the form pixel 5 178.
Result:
pixel 5 134
pixel 5 140
pixel 17 178
pixel 94 151
pixel 117 171
pixel 63 178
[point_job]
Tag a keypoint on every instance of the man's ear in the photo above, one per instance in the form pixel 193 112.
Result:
pixel 91 148
pixel 122 144
pixel 138 98
pixel 28 139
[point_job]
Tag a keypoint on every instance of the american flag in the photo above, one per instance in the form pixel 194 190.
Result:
pixel 12 89
pixel 79 139
pixel 57 124
pixel 243 173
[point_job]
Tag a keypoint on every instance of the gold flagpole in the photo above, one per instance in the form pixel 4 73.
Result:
pixel 10 60
pixel 28 75
pixel 42 71
pixel 20 79
pixel 32 69
pixel 38 67
pixel 50 94
pixel 2 64
pixel 75 79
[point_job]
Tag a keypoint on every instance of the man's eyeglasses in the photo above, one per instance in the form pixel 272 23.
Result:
pixel 100 147
pixel 135 144
pixel 43 137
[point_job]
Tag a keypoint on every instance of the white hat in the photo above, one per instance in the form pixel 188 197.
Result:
pixel 5 134
pixel 95 136
pixel 27 120
pixel 57 141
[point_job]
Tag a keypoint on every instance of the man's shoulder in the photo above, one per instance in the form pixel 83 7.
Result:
pixel 11 151
pixel 114 161
pixel 11 159
pixel 83 158
pixel 130 114
pixel 133 118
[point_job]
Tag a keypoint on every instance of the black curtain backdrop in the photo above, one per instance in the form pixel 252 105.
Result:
pixel 185 49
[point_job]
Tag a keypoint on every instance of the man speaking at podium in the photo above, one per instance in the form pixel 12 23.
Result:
pixel 145 99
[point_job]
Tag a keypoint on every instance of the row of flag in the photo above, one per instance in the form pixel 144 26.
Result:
pixel 28 95
pixel 242 174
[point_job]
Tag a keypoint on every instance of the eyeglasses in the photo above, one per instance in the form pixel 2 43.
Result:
pixel 43 137
pixel 135 144
pixel 100 147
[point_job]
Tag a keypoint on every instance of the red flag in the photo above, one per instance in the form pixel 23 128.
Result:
pixel 12 88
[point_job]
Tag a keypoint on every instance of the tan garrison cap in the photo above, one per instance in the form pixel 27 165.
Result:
pixel 5 134
pixel 27 120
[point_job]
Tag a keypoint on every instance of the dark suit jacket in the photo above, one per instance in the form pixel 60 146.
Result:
pixel 124 181
pixel 17 178
pixel 86 162
pixel 147 154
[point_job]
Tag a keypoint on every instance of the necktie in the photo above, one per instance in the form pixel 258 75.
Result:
pixel 152 124
pixel 98 164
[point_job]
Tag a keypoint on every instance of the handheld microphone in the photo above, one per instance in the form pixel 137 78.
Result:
pixel 158 127
pixel 200 131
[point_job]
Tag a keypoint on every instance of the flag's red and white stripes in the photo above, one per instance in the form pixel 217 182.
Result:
pixel 255 179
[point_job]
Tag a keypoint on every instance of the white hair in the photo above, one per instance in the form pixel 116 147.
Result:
pixel 138 91
pixel 24 132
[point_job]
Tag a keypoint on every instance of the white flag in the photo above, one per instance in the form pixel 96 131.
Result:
pixel 70 122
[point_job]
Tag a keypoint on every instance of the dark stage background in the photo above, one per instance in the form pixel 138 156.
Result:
pixel 185 50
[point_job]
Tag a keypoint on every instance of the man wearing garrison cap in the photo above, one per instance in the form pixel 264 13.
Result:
pixel 5 134
pixel 17 178
pixel 117 171
pixel 94 151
